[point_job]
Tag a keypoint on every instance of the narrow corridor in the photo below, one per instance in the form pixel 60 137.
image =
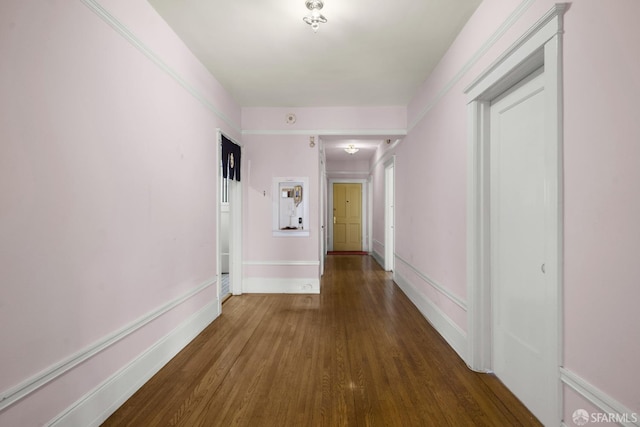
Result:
pixel 358 354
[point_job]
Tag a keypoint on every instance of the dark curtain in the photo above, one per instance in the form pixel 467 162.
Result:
pixel 231 159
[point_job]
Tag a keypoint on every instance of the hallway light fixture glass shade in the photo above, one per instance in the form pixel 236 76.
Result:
pixel 351 149
pixel 315 18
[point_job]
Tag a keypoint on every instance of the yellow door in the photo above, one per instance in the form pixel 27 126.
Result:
pixel 347 217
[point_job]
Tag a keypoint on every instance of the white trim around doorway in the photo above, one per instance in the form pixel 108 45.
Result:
pixel 540 46
pixel 234 208
pixel 389 214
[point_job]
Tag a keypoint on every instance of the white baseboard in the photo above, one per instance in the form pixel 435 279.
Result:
pixel 51 373
pixel 95 407
pixel 598 398
pixel 451 332
pixel 378 257
pixel 297 285
pixel 435 285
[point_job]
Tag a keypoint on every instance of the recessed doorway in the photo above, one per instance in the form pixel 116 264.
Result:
pixel 229 223
pixel 514 240
pixel 347 217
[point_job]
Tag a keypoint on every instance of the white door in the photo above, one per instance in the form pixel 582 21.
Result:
pixel 389 237
pixel 520 294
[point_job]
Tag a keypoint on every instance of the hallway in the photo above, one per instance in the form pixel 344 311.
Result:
pixel 357 354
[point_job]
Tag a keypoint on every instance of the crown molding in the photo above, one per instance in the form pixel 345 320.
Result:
pixel 128 35
pixel 502 29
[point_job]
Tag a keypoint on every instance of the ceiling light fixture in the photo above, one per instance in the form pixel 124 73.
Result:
pixel 351 149
pixel 315 18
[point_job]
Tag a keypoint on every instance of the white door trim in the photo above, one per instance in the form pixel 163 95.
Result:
pixel 235 227
pixel 218 167
pixel 323 215
pixel 235 237
pixel 540 46
pixel 389 214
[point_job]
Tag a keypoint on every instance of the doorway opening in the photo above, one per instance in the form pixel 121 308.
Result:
pixel 323 214
pixel 229 219
pixel 224 240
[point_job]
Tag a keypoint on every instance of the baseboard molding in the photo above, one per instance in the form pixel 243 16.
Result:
pixel 378 257
pixel 378 242
pixel 297 285
pixel 22 390
pixel 437 286
pixel 451 332
pixel 95 407
pixel 598 398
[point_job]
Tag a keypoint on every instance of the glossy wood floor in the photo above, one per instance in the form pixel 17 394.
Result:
pixel 359 354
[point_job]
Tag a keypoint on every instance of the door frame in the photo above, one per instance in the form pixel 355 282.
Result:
pixel 389 214
pixel 323 220
pixel 235 226
pixel 365 208
pixel 540 46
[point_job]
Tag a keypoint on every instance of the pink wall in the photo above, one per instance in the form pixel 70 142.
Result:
pixel 269 156
pixel 275 148
pixel 347 169
pixel 601 183
pixel 327 120
pixel 357 166
pixel 602 207
pixel 107 188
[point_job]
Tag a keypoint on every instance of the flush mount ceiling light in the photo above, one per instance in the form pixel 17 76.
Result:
pixel 351 149
pixel 315 18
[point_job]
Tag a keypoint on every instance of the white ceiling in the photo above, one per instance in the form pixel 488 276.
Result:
pixel 368 53
pixel 334 148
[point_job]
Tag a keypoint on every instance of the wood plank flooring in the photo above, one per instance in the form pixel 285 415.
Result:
pixel 359 354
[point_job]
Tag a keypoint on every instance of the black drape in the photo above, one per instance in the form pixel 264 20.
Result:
pixel 231 157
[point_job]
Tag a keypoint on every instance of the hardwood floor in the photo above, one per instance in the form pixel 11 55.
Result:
pixel 358 354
